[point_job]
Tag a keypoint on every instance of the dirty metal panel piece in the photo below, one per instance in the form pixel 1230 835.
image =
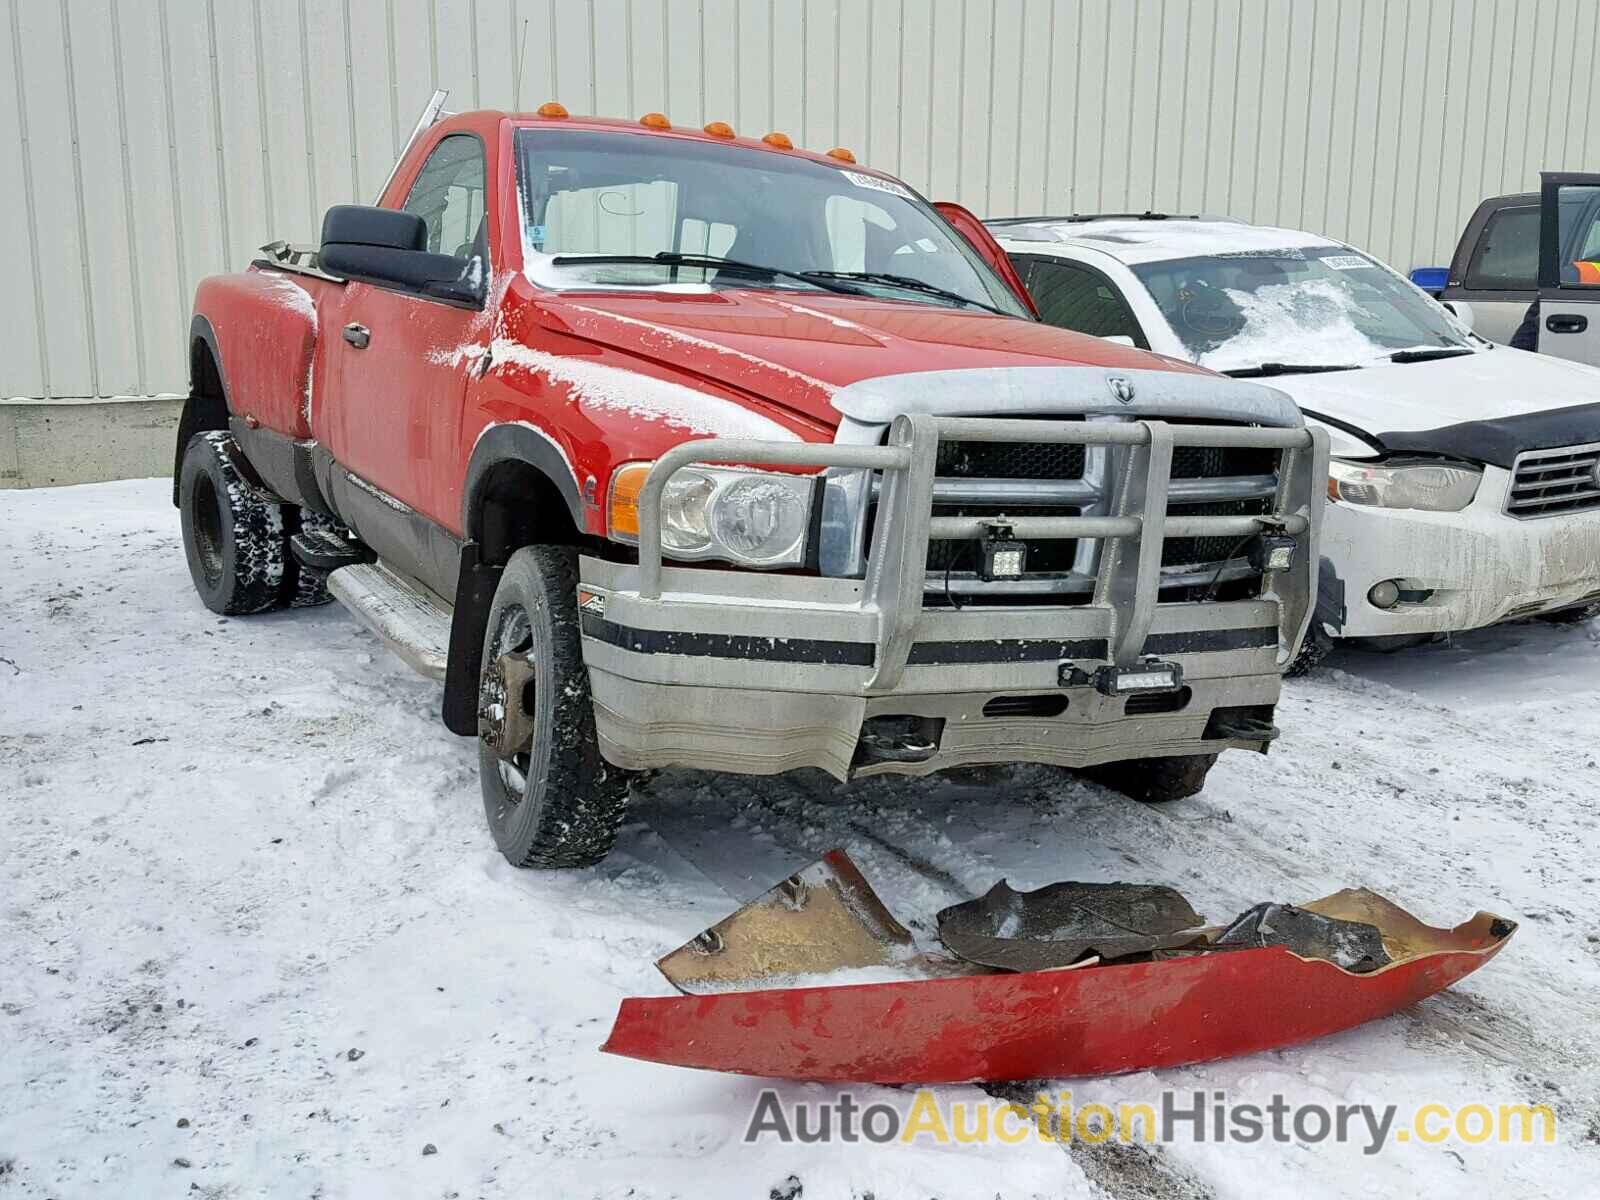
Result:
pixel 821 920
pixel 1060 924
pixel 1354 945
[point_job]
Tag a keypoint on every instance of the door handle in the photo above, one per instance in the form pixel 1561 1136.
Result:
pixel 1566 323
pixel 359 335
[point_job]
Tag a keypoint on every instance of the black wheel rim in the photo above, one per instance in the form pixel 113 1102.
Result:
pixel 206 520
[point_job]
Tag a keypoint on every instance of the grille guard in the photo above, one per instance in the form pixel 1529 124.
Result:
pixel 1128 577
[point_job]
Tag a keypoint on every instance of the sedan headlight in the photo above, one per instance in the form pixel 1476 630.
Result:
pixel 753 518
pixel 1431 487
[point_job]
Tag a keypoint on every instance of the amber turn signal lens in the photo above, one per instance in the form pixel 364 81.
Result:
pixel 720 129
pixel 622 516
pixel 841 154
pixel 551 109
pixel 780 140
pixel 655 121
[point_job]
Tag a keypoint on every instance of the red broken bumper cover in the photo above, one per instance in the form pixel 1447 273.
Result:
pixel 1078 1021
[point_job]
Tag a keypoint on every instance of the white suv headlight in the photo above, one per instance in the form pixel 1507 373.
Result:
pixel 752 518
pixel 1431 487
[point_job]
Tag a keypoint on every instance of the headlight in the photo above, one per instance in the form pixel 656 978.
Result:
pixel 754 518
pixel 1431 487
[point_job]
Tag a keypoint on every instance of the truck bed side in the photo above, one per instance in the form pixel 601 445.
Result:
pixel 263 326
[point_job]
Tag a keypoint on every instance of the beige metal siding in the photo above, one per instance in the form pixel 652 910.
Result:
pixel 151 142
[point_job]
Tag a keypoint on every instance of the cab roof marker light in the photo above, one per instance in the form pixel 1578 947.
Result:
pixel 719 129
pixel 655 120
pixel 841 154
pixel 552 110
pixel 779 140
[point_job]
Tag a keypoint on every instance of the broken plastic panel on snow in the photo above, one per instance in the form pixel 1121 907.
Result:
pixel 817 980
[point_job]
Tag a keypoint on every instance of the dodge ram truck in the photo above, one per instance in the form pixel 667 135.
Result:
pixel 667 447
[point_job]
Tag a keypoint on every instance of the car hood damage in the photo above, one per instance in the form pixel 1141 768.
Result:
pixel 817 980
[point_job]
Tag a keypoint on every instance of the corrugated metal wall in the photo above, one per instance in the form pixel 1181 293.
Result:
pixel 151 142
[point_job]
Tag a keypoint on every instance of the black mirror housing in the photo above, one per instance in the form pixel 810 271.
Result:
pixel 387 246
pixel 379 228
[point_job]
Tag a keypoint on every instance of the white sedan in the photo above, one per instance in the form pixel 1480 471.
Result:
pixel 1465 484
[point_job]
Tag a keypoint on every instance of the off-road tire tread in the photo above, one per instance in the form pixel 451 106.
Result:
pixel 581 799
pixel 304 587
pixel 1156 780
pixel 1316 647
pixel 254 546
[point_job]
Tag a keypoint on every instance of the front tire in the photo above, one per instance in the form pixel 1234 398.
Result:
pixel 1156 780
pixel 554 802
pixel 233 533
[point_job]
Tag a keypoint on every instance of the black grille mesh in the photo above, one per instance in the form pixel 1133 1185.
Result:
pixel 1009 460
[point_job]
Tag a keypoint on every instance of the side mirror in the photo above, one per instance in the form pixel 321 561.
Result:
pixel 387 246
pixel 1461 310
pixel 1432 280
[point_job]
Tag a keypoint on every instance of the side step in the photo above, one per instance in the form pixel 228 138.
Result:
pixel 411 620
pixel 323 550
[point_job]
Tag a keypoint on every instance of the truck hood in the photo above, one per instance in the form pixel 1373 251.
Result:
pixel 800 350
pixel 1486 407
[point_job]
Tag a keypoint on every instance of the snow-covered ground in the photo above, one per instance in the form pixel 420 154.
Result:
pixel 254 940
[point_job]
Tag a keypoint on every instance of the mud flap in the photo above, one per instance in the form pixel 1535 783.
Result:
pixel 938 1020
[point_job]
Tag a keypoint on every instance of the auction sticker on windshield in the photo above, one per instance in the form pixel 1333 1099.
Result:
pixel 1346 262
pixel 880 185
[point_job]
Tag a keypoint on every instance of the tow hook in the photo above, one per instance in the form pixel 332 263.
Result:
pixel 504 723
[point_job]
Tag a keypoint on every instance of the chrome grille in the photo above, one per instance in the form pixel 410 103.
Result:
pixel 1546 483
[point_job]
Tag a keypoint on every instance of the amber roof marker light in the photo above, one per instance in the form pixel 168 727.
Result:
pixel 841 154
pixel 655 120
pixel 553 110
pixel 720 129
pixel 780 140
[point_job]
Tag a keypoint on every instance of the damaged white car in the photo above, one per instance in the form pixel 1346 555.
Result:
pixel 1464 487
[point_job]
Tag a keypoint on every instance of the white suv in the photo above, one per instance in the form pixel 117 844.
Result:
pixel 1465 483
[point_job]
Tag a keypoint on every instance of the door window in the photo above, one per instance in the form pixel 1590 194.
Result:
pixel 1073 296
pixel 1506 257
pixel 450 197
pixel 1578 235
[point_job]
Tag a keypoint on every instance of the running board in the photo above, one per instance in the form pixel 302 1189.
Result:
pixel 411 620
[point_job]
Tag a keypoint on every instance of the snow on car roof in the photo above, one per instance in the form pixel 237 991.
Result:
pixel 1144 240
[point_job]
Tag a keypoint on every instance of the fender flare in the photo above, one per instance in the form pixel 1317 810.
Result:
pixel 189 421
pixel 499 444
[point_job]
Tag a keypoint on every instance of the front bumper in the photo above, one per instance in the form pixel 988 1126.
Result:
pixel 1459 570
pixel 759 673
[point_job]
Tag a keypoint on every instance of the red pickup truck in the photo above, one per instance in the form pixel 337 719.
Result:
pixel 667 447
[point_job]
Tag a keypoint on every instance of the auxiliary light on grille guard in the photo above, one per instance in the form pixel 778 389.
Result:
pixel 816 980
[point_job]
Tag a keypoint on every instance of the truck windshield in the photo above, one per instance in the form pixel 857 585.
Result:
pixel 620 194
pixel 1317 306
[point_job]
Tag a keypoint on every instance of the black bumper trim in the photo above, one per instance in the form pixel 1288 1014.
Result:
pixel 727 645
pixel 863 654
pixel 1200 641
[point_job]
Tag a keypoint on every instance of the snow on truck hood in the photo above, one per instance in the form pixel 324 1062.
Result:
pixel 1485 406
pixel 799 350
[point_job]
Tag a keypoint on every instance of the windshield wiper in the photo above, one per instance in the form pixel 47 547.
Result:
pixel 1267 369
pixel 1410 356
pixel 707 262
pixel 904 281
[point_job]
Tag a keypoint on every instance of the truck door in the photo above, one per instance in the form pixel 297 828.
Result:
pixel 1496 267
pixel 1569 266
pixel 401 359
